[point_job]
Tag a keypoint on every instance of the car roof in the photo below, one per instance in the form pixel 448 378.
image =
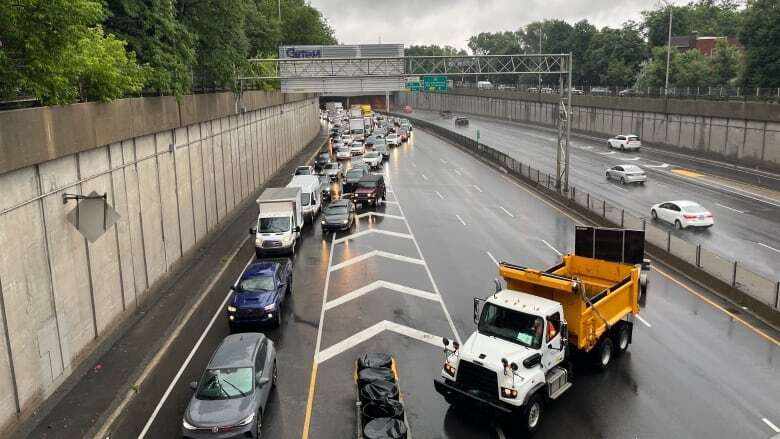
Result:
pixel 338 203
pixel 236 350
pixel 683 203
pixel 262 268
pixel 371 177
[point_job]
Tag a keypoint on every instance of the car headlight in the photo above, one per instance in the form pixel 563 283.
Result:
pixel 508 393
pixel 449 369
pixel 187 425
pixel 286 239
pixel 270 307
pixel 258 242
pixel 322 222
pixel 246 421
pixel 345 221
pixel 232 308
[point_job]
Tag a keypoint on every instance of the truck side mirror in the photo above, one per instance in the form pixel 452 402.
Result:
pixel 497 286
pixel 532 361
pixel 297 229
pixel 477 308
pixel 252 231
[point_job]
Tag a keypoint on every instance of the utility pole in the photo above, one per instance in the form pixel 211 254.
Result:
pixel 279 4
pixel 668 51
pixel 539 90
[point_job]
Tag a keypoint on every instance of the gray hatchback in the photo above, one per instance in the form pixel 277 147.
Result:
pixel 232 394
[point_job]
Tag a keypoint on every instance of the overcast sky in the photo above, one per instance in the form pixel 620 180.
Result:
pixel 451 22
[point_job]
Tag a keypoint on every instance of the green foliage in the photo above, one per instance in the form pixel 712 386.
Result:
pixel 303 24
pixel 153 30
pixel 55 49
pixel 614 56
pixel 707 17
pixel 725 65
pixel 487 43
pixel 761 37
pixel 433 50
pixel 693 69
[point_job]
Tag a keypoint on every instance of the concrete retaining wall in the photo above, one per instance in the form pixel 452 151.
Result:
pixel 173 174
pixel 737 132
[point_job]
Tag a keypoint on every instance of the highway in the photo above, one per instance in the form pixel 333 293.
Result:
pixel 746 216
pixel 406 276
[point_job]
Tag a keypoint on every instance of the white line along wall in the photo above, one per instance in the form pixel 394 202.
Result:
pixel 60 294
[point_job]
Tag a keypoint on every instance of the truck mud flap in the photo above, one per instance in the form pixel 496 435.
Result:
pixel 453 393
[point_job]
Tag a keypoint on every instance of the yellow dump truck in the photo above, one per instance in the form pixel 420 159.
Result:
pixel 520 356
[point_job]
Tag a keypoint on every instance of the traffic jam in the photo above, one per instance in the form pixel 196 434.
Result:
pixel 529 332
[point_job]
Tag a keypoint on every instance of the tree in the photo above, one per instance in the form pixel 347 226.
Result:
pixel 653 73
pixel 498 43
pixel 263 30
pixel 303 24
pixel 707 17
pixel 433 50
pixel 725 64
pixel 152 28
pixel 692 69
pixel 760 35
pixel 55 49
pixel 614 56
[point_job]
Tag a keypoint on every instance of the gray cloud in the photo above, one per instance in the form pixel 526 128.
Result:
pixel 452 22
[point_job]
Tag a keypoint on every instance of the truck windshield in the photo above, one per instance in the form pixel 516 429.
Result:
pixel 273 225
pixel 510 325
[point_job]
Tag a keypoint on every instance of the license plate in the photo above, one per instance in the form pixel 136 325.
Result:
pixel 701 217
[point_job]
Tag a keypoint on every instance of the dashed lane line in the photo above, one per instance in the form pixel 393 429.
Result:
pixel 730 208
pixel 376 253
pixel 771 425
pixel 460 219
pixel 457 172
pixel 477 188
pixel 645 322
pixel 552 248
pixel 373 286
pixel 506 211
pixel 439 195
pixel 492 258
pixel 424 177
pixel 768 246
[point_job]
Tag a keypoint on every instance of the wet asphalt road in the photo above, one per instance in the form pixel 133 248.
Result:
pixel 747 218
pixel 404 278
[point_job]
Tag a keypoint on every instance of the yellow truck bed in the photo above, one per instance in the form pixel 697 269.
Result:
pixel 611 292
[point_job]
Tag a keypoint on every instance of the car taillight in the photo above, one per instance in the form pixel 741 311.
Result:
pixel 708 215
pixel 686 216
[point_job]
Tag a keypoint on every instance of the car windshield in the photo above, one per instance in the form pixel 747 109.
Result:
pixel 227 383
pixel 305 198
pixel 632 168
pixel 370 184
pixel 263 283
pixel 356 173
pixel 302 171
pixel 695 208
pixel 336 210
pixel 273 225
pixel 632 138
pixel 332 166
pixel 342 150
pixel 510 325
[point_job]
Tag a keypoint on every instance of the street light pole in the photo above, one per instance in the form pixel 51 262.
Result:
pixel 539 90
pixel 668 52
pixel 279 4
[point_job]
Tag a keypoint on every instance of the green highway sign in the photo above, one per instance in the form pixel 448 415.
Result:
pixel 434 83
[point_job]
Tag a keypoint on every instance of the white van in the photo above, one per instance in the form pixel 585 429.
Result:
pixel 484 84
pixel 311 197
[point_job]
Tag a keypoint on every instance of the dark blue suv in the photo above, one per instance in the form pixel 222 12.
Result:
pixel 258 296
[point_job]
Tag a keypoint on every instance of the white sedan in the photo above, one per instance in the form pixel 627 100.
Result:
pixel 682 214
pixel 627 174
pixel 392 139
pixel 357 148
pixel 343 153
pixel 625 142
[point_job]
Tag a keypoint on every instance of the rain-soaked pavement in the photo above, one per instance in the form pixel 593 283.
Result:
pixel 406 276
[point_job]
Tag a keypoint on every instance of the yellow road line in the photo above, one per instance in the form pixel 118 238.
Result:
pixel 686 173
pixel 718 307
pixel 310 401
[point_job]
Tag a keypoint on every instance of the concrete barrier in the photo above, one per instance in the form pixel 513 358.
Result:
pixel 172 170
pixel 745 133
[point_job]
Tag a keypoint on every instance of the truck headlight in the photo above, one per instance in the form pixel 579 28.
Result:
pixel 508 393
pixel 286 239
pixel 449 369
pixel 258 242
pixel 187 425
pixel 232 308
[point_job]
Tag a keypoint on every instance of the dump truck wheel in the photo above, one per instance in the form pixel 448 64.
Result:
pixel 602 355
pixel 622 339
pixel 532 414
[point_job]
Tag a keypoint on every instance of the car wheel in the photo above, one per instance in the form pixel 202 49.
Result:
pixel 532 414
pixel 259 424
pixel 607 175
pixel 654 215
pixel 641 183
pixel 609 145
pixel 290 286
pixel 274 376
pixel 677 224
pixel 622 181
pixel 622 148
pixel 278 322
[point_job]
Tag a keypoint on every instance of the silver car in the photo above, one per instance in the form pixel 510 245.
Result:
pixel 232 394
pixel 627 174
pixel 332 170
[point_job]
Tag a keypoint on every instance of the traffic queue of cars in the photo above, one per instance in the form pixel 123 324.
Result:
pixel 231 396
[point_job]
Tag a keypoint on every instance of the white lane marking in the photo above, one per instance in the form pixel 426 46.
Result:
pixel 390 202
pixel 371 231
pixel 768 246
pixel 373 286
pixel 585 147
pixel 368 333
pixel 771 425
pixel 460 219
pixel 389 191
pixel 414 165
pixel 384 215
pixel 506 211
pixel 730 208
pixel 424 177
pixel 439 195
pixel 477 188
pixel 443 161
pixel 492 258
pixel 376 253
pixel 324 297
pixel 219 312
pixel 500 433
pixel 663 165
pixel 607 153
pixel 430 277
pixel 646 323
pixel 457 172
pixel 626 159
pixel 552 248
pixel 103 432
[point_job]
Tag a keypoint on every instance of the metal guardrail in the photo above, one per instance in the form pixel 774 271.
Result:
pixel 726 270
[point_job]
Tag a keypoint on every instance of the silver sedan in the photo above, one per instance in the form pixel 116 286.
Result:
pixel 627 174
